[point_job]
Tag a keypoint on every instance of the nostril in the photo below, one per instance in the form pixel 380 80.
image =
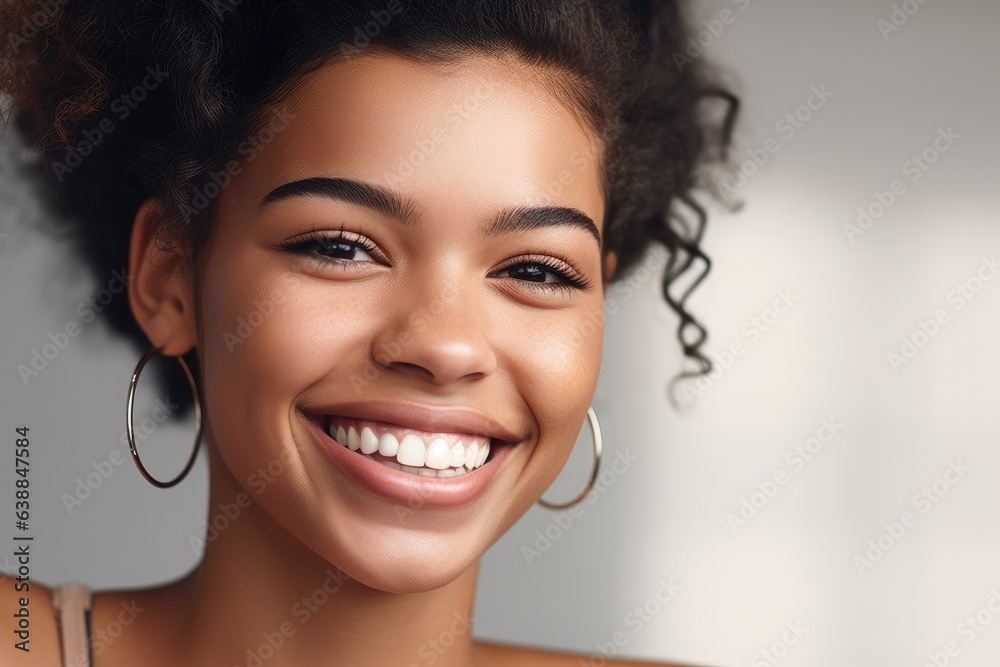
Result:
pixel 411 368
pixel 423 373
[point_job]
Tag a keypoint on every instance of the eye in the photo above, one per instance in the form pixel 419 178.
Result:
pixel 533 272
pixel 338 249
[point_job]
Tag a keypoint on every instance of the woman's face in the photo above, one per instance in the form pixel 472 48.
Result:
pixel 381 261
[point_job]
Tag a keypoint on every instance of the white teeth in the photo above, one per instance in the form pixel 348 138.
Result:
pixel 411 451
pixel 438 455
pixel 369 441
pixel 426 472
pixel 388 445
pixel 457 455
pixel 471 454
pixel 445 456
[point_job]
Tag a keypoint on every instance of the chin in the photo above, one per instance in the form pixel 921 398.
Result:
pixel 404 579
pixel 393 568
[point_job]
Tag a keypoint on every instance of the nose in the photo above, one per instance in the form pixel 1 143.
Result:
pixel 438 336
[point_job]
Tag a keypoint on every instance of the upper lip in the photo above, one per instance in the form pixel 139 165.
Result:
pixel 430 418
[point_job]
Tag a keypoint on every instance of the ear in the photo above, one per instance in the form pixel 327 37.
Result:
pixel 161 287
pixel 610 267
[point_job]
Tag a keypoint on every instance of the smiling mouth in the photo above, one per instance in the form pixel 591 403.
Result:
pixel 409 450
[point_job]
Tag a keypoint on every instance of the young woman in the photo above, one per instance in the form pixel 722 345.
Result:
pixel 380 235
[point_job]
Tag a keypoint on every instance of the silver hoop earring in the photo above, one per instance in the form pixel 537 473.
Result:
pixel 130 431
pixel 595 428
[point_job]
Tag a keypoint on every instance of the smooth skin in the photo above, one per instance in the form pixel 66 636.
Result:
pixel 480 137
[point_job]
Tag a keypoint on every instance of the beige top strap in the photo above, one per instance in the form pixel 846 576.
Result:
pixel 72 602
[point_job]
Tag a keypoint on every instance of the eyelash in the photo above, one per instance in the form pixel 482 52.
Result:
pixel 305 245
pixel 567 282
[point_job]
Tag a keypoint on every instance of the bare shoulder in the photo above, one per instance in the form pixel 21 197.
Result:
pixel 27 625
pixel 502 655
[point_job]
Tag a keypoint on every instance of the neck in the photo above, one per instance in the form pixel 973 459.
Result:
pixel 261 597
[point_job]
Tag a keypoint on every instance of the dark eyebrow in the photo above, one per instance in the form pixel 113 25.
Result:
pixel 518 218
pixel 393 205
pixel 379 199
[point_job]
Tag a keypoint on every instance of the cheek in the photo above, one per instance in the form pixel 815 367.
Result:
pixel 267 322
pixel 560 364
pixel 267 336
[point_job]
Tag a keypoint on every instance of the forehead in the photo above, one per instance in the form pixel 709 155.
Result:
pixel 480 128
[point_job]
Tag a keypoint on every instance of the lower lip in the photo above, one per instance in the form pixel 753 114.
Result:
pixel 405 488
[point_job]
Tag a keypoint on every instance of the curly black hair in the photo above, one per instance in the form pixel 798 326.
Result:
pixel 131 99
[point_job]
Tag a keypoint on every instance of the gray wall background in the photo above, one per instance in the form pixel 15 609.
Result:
pixel 665 517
